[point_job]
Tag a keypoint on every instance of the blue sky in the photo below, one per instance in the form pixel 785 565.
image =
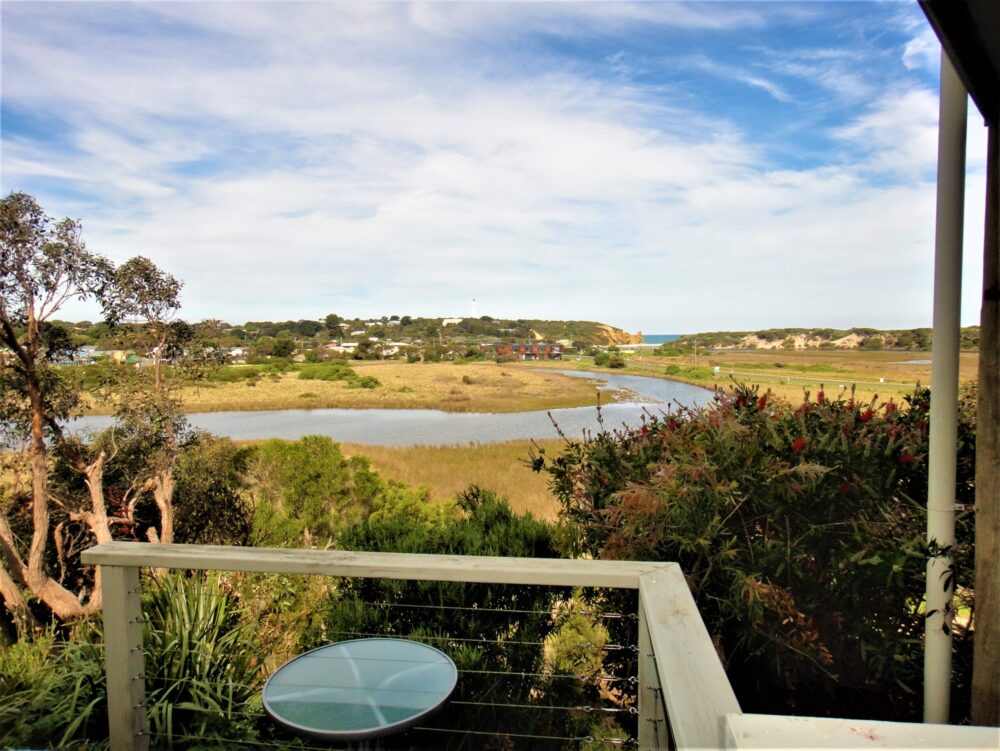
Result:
pixel 664 166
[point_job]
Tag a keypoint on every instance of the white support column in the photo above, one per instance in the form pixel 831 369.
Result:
pixel 123 658
pixel 944 390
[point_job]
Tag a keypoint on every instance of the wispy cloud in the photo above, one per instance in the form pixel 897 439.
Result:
pixel 742 75
pixel 560 160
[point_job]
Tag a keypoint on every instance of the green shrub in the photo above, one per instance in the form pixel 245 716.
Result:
pixel 493 632
pixel 366 382
pixel 305 490
pixel 235 373
pixel 52 692
pixel 698 373
pixel 333 372
pixel 209 494
pixel 801 532
pixel 609 360
pixel 201 661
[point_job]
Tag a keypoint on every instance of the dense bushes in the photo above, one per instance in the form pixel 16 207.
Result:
pixel 338 372
pixel 305 491
pixel 52 691
pixel 801 532
pixel 210 504
pixel 609 360
pixel 494 633
pixel 201 673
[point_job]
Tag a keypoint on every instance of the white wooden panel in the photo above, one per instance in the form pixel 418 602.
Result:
pixel 778 732
pixel 476 569
pixel 654 733
pixel 123 659
pixel 696 691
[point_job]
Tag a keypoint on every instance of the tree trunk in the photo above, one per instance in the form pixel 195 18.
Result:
pixel 61 601
pixel 986 657
pixel 98 517
pixel 163 493
pixel 39 489
pixel 16 605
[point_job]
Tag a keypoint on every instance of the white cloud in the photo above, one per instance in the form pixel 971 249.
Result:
pixel 294 160
pixel 923 51
pixel 743 76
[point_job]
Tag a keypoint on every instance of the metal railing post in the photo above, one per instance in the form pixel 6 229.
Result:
pixel 124 662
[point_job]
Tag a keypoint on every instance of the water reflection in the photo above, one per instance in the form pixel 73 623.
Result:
pixel 405 427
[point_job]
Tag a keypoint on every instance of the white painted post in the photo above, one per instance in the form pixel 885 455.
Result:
pixel 944 389
pixel 696 693
pixel 123 658
pixel 653 730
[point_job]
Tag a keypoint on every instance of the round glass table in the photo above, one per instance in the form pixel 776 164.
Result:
pixel 359 689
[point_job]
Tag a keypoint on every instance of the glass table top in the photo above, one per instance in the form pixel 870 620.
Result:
pixel 364 688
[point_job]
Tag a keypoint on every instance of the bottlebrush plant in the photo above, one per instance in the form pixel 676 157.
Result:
pixel 801 530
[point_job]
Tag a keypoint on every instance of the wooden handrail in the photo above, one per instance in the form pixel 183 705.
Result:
pixel 457 568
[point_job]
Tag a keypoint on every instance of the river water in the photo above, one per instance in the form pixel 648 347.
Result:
pixel 406 427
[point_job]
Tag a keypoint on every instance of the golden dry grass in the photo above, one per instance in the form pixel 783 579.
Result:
pixel 790 372
pixel 447 470
pixel 466 387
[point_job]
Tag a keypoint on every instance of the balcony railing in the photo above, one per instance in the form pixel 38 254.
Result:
pixel 684 696
pixel 684 699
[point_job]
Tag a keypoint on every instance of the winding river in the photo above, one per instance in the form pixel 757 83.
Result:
pixel 406 427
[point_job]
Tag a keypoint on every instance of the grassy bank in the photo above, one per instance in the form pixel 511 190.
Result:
pixel 466 387
pixel 790 372
pixel 446 470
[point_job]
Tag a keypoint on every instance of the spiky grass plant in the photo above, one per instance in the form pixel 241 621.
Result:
pixel 201 661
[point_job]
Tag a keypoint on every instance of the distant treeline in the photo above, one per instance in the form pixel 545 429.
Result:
pixel 305 332
pixel 823 338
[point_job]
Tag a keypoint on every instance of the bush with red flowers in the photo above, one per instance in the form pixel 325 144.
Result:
pixel 801 532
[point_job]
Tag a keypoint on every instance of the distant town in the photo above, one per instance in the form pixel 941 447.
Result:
pixel 418 339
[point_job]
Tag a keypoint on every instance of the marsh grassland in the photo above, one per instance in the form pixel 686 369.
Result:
pixel 465 387
pixel 447 470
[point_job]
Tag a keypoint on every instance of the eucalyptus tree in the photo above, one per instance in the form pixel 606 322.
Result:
pixel 45 264
pixel 142 304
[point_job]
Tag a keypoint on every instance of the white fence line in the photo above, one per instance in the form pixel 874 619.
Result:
pixel 684 695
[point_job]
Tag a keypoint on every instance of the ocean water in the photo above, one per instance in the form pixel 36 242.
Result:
pixel 659 338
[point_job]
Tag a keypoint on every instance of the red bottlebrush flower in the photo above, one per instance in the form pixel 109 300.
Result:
pixel 741 400
pixel 820 397
pixel 799 445
pixel 890 408
pixel 850 404
pixel 761 403
pixel 906 458
pixel 867 415
pixel 671 424
pixel 644 430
